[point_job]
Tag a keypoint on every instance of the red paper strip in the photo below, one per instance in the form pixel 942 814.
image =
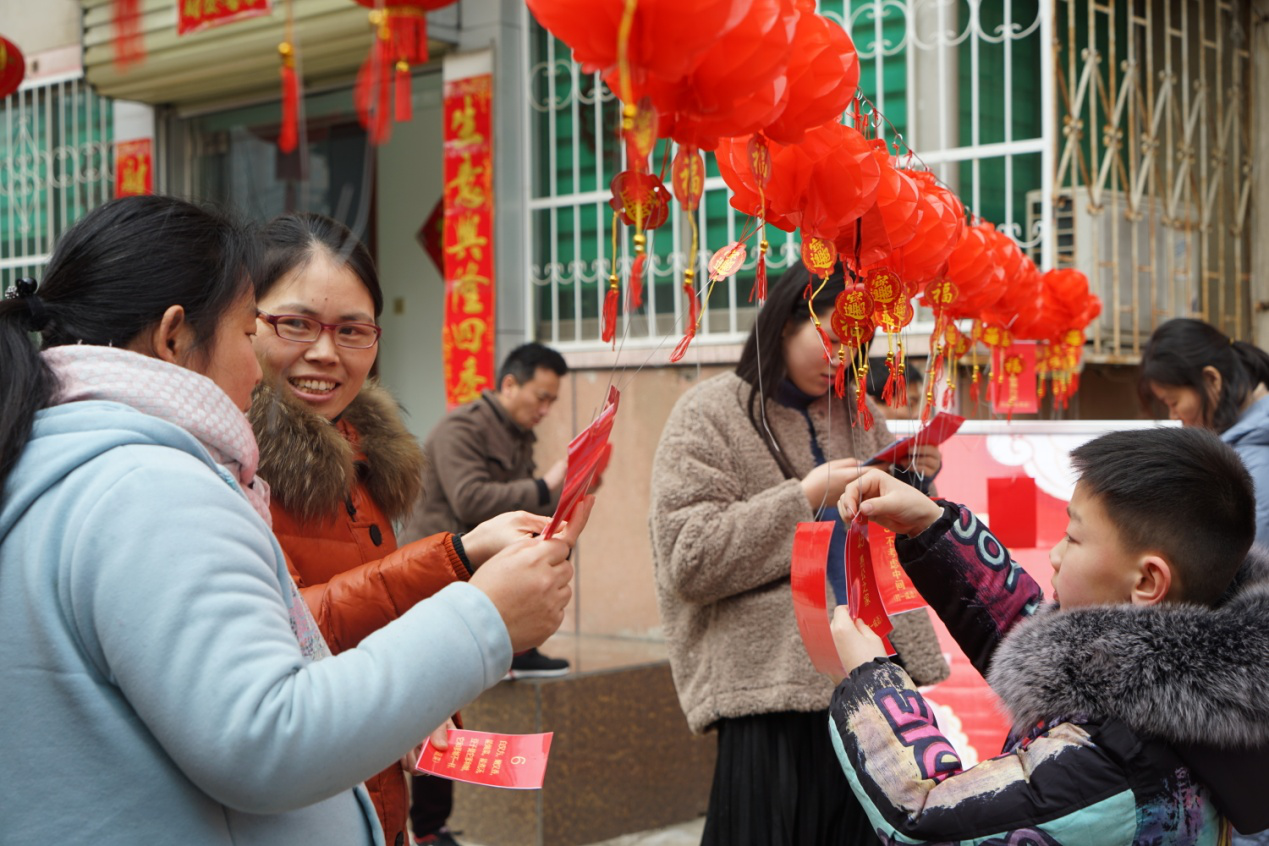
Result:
pixel 807 578
pixel 938 430
pixel 515 761
pixel 587 455
pixel 193 15
pixel 896 590
pixel 1013 379
pixel 861 583
pixel 1012 505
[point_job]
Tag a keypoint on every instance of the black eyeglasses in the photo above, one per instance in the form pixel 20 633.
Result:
pixel 306 330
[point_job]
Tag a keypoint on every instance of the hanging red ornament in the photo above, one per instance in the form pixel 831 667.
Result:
pixel 890 222
pixel 288 134
pixel 129 42
pixel 400 41
pixel 687 176
pixel 12 67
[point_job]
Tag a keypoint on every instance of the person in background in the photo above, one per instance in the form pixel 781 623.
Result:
pixel 478 463
pixel 1205 378
pixel 149 626
pixel 877 375
pixel 743 458
pixel 342 465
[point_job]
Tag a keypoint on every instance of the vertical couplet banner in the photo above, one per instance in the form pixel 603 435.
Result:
pixel 468 332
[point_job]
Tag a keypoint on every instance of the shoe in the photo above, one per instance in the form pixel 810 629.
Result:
pixel 443 837
pixel 535 665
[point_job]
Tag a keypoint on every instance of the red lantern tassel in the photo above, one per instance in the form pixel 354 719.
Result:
pixel 973 385
pixel 887 392
pixel 828 345
pixel 635 290
pixel 760 277
pixel 693 315
pixel 373 94
pixel 405 100
pixel 680 349
pixel 861 407
pixel 610 312
pixel 839 378
pixel 289 134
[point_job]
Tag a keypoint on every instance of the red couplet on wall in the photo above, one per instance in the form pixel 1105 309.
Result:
pixel 467 338
pixel 134 168
pixel 193 15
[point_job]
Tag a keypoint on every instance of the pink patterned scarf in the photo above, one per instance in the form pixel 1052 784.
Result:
pixel 168 392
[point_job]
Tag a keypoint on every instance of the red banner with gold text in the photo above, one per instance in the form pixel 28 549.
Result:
pixel 468 333
pixel 193 15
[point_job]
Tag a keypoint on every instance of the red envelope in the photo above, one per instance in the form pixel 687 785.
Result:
pixel 941 427
pixel 861 583
pixel 894 586
pixel 808 577
pixel 515 761
pixel 586 453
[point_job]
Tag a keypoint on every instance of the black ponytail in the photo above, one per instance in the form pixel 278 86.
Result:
pixel 111 277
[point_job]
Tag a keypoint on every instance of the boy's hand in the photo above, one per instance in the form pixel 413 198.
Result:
pixel 856 643
pixel 889 503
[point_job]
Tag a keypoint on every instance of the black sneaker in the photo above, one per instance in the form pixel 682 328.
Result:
pixel 535 665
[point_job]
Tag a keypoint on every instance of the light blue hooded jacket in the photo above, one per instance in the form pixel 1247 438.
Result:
pixel 1250 439
pixel 153 689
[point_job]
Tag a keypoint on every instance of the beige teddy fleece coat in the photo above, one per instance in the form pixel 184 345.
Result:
pixel 722 520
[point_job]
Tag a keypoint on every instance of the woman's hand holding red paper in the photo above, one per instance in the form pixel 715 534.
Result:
pixel 889 503
pixel 856 643
pixel 497 533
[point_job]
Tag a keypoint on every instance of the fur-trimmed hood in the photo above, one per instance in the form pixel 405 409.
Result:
pixel 311 466
pixel 1182 673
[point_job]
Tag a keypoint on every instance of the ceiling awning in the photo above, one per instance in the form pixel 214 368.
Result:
pixel 238 60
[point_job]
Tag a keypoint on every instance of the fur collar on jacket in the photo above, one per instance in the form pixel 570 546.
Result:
pixel 310 466
pixel 1183 673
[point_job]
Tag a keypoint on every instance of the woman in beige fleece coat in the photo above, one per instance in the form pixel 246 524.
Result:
pixel 743 458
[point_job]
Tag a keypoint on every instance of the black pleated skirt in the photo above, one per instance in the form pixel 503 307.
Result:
pixel 778 783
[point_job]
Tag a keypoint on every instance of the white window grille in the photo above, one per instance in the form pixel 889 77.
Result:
pixel 56 163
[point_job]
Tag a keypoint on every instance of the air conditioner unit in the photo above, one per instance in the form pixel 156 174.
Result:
pixel 1143 264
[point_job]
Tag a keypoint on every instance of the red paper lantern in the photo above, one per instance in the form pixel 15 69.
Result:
pixel 823 75
pixel 736 87
pixel 12 67
pixel 891 222
pixel 400 41
pixel 939 229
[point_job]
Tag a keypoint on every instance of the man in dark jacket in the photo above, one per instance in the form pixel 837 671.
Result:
pixel 479 463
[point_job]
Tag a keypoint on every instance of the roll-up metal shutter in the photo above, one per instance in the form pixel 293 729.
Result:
pixel 235 61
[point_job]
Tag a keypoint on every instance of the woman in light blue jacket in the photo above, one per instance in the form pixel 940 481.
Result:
pixel 163 681
pixel 1205 378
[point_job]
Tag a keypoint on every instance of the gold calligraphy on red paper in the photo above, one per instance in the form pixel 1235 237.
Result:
pixel 193 15
pixel 134 168
pixel 467 241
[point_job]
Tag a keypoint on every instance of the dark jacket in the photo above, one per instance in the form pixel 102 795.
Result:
pixel 478 464
pixel 1113 710
pixel 335 491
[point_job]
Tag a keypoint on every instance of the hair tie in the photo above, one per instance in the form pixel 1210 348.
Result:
pixel 24 289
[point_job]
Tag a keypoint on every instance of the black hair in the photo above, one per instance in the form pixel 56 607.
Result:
pixel 523 362
pixel 1178 351
pixel 1179 491
pixel 786 306
pixel 111 277
pixel 292 240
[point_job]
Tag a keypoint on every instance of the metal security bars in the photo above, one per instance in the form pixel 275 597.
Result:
pixel 56 163
pixel 1154 160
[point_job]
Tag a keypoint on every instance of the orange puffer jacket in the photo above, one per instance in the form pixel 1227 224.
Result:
pixel 335 493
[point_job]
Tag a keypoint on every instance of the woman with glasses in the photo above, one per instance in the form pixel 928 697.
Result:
pixel 341 464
